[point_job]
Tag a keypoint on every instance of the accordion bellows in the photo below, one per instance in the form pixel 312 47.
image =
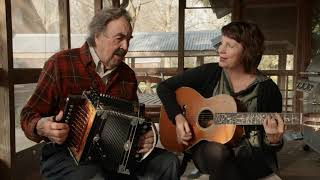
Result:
pixel 105 129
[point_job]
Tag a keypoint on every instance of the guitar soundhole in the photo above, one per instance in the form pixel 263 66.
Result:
pixel 205 119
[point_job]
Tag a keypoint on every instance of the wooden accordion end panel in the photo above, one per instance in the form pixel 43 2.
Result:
pixel 105 129
pixel 79 114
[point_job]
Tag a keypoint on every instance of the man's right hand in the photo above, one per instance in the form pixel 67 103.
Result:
pixel 183 130
pixel 55 131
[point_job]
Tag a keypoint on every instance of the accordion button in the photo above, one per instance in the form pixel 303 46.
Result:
pixel 126 146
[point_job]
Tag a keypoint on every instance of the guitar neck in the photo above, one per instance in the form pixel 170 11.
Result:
pixel 249 118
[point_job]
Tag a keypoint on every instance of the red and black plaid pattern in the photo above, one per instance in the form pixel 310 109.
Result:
pixel 71 72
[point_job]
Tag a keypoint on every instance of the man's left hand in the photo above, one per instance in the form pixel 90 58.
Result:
pixel 146 142
pixel 274 128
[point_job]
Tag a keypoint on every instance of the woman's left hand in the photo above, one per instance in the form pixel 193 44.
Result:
pixel 274 128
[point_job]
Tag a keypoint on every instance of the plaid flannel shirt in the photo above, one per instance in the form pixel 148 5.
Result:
pixel 72 72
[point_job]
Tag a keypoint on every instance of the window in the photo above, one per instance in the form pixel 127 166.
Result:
pixel 35 26
pixel 277 63
pixel 22 93
pixel 153 49
pixel 202 32
pixel 81 12
pixel 36 32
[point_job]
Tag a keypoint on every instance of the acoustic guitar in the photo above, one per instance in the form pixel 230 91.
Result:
pixel 216 119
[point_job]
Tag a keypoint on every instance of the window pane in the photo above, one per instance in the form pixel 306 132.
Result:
pixel 148 62
pixel 35 25
pixel 197 3
pixel 211 59
pixel 202 32
pixel 290 94
pixel 204 19
pixel 171 62
pixel 154 16
pixel 269 62
pixel 22 93
pixel 290 83
pixel 81 12
pixel 274 78
pixel 190 62
pixel 107 3
pixel 289 65
pixel 155 33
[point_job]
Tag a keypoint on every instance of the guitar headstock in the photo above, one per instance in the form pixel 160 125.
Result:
pixel 312 120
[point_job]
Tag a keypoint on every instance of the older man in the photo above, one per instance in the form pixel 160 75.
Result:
pixel 99 64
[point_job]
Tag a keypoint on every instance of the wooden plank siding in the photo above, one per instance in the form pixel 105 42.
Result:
pixel 64 24
pixel 19 75
pixel 116 3
pixel 303 43
pixel 236 10
pixel 7 120
pixel 98 4
pixel 181 19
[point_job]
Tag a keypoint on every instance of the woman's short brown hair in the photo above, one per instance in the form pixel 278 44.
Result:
pixel 251 38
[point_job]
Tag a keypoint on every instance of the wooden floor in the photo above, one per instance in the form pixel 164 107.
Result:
pixel 295 163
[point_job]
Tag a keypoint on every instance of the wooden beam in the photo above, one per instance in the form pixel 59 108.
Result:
pixel 181 19
pixel 18 76
pixel 3 77
pixel 282 62
pixel 279 73
pixel 236 10
pixel 7 120
pixel 303 43
pixel 115 3
pixel 133 62
pixel 98 5
pixel 170 54
pixel 156 71
pixel 64 19
pixel 21 78
pixel 200 60
pixel 269 3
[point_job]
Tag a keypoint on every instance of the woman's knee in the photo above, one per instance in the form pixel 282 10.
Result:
pixel 212 157
pixel 212 151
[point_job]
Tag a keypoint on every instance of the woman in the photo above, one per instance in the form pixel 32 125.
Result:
pixel 236 74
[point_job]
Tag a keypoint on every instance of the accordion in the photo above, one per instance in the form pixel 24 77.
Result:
pixel 105 129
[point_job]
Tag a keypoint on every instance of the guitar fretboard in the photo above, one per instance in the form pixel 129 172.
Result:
pixel 247 118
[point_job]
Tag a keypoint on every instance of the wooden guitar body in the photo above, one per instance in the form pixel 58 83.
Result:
pixel 216 119
pixel 195 107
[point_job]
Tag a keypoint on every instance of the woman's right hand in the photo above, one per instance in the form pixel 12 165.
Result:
pixel 183 130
